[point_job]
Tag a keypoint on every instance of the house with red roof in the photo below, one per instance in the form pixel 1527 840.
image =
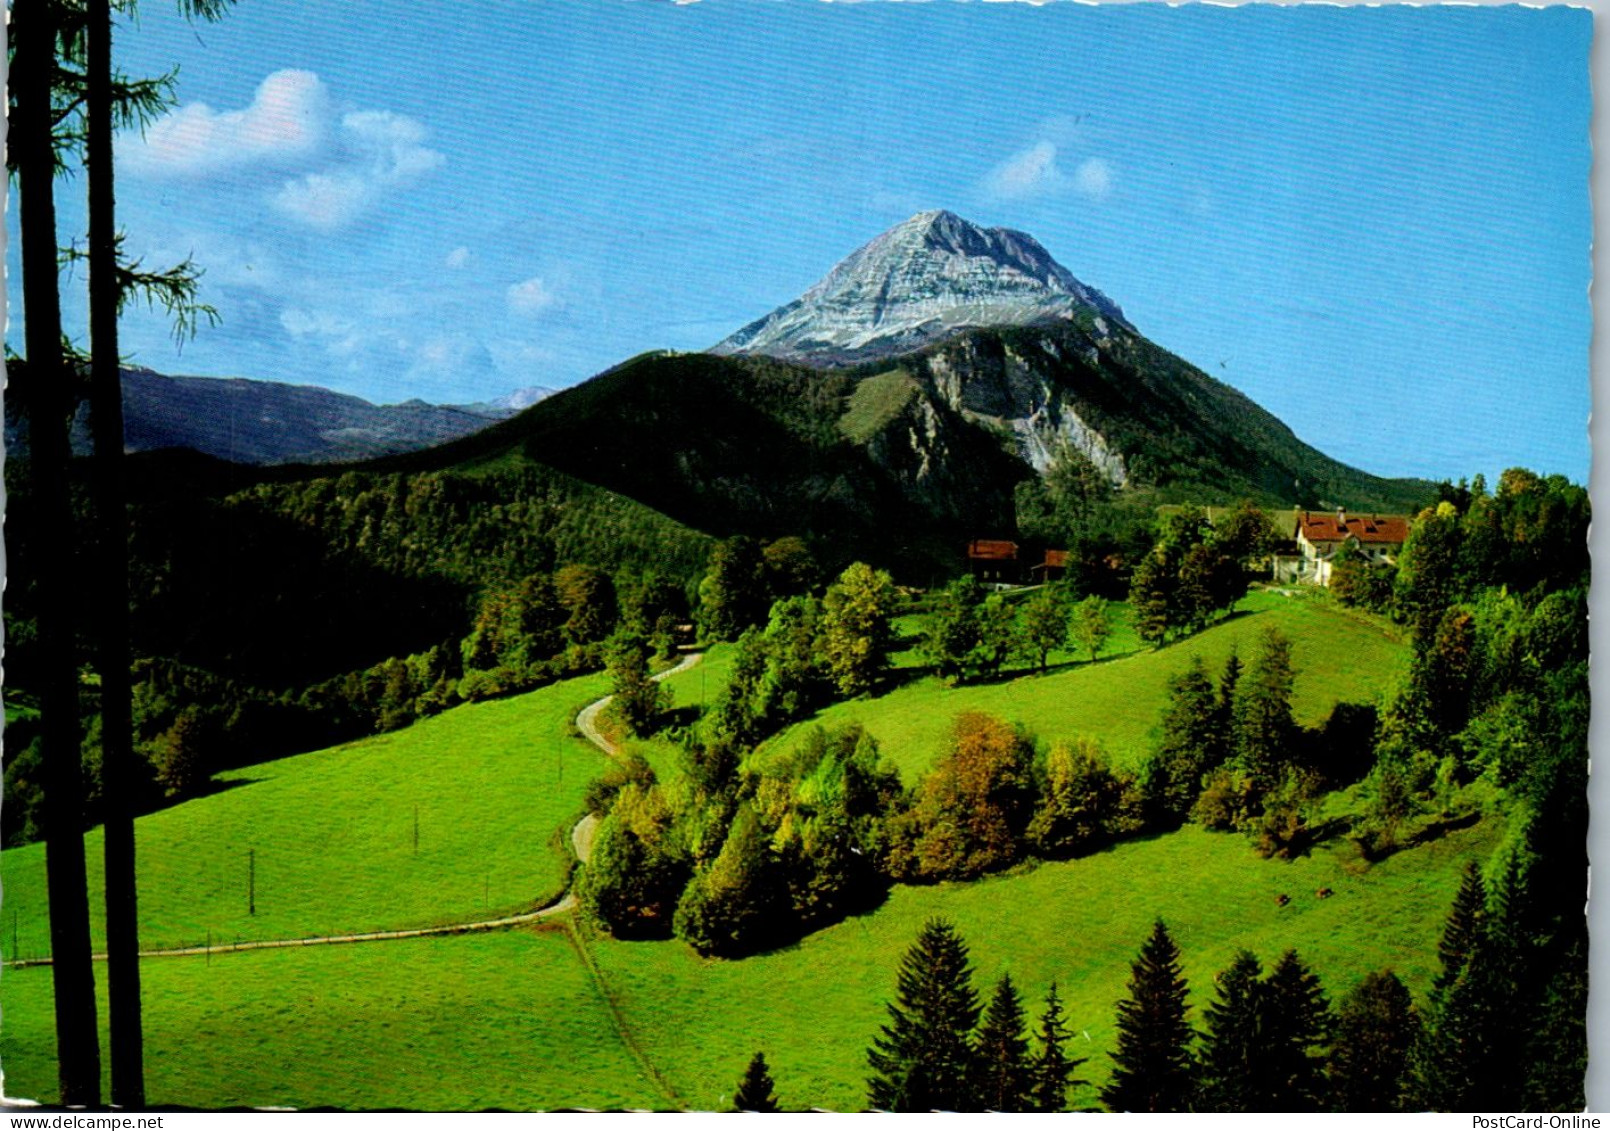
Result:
pixel 1320 535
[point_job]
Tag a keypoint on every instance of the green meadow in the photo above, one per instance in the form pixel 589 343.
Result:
pixel 508 1020
pixel 1339 656
pixel 516 1019
pixel 558 1016
pixel 331 834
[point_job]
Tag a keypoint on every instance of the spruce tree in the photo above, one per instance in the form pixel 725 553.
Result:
pixel 755 1092
pixel 1265 729
pixel 1189 748
pixel 1152 597
pixel 1153 1069
pixel 1376 1026
pixel 1297 1025
pixel 1232 1045
pixel 1003 1053
pixel 1052 1069
pixel 924 1059
pixel 1464 924
pixel 1224 710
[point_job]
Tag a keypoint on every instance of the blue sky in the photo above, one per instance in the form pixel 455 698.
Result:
pixel 1375 222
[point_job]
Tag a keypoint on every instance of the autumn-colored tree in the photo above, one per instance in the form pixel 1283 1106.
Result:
pixel 972 809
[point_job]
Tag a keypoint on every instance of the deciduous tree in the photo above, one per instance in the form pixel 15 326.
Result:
pixel 856 632
pixel 1091 625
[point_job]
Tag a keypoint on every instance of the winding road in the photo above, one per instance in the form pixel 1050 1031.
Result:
pixel 581 841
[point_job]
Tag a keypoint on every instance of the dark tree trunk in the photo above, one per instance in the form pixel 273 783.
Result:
pixel 49 405
pixel 111 579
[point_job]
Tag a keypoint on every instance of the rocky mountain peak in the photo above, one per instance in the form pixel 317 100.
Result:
pixel 922 280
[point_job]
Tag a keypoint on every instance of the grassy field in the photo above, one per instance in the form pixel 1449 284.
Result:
pixel 521 1020
pixel 513 1020
pixel 875 401
pixel 1339 656
pixel 815 1007
pixel 509 1020
pixel 333 833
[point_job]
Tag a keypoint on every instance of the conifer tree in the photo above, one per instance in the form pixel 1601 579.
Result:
pixel 923 1059
pixel 1224 709
pixel 1463 926
pixel 1153 1069
pixel 755 1091
pixel 1152 596
pixel 1003 1052
pixel 1376 1027
pixel 1051 1069
pixel 1188 748
pixel 1297 1024
pixel 1264 726
pixel 1232 1045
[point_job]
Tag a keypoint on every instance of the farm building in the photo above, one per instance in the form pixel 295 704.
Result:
pixel 992 559
pixel 1052 568
pixel 1318 536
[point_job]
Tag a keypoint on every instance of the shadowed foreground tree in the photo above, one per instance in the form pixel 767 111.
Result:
pixel 107 97
pixel 755 1092
pixel 1232 1045
pixel 1297 1025
pixel 1052 1069
pixel 924 1058
pixel 1153 1068
pixel 1004 1072
pixel 1376 1027
pixel 49 405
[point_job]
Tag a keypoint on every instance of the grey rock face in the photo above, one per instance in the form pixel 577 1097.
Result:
pixel 994 384
pixel 921 281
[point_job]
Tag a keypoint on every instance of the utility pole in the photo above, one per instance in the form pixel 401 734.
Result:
pixel 251 881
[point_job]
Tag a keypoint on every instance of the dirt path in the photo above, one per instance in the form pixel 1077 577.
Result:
pixel 587 721
pixel 581 840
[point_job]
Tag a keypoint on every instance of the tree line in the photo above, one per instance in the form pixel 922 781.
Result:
pixel 1269 1040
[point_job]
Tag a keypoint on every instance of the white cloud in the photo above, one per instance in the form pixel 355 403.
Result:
pixel 1093 178
pixel 337 164
pixel 1028 173
pixel 287 121
pixel 1035 172
pixel 380 151
pixel 530 297
pixel 458 257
